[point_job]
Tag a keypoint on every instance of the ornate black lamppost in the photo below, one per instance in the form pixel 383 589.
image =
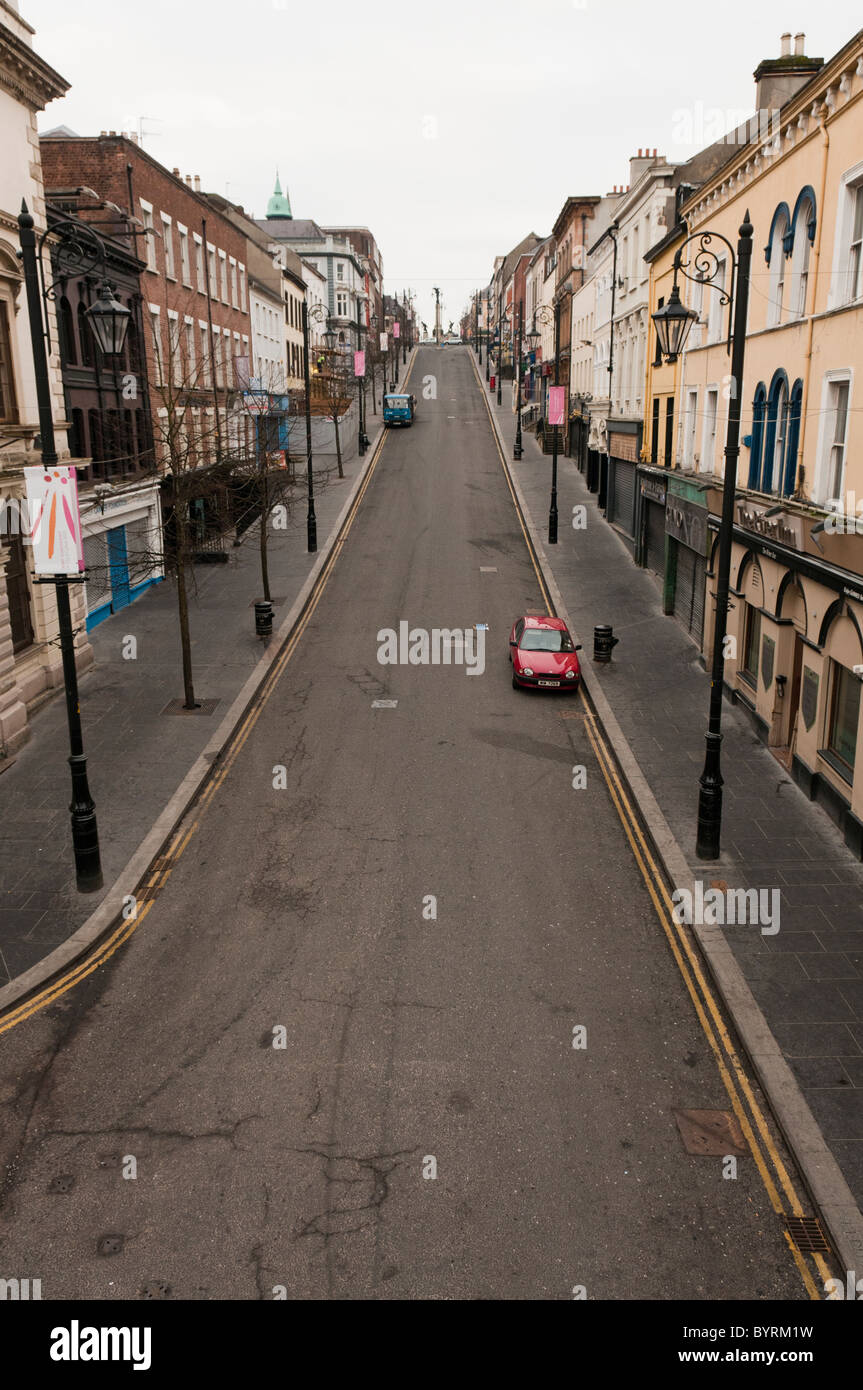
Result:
pixel 517 450
pixel 673 322
pixel 77 250
pixel 546 315
pixel 321 315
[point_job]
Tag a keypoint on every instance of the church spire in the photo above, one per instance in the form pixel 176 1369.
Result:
pixel 280 204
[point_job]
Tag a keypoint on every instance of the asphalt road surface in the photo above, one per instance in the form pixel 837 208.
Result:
pixel 413 1043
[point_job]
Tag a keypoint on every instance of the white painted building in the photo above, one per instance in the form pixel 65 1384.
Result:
pixel 267 313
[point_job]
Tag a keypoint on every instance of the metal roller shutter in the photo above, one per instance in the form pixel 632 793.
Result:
pixel 655 548
pixel 141 558
pixel 689 591
pixel 98 584
pixel 624 496
pixel 696 626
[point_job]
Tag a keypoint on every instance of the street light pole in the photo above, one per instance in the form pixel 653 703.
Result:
pixel 552 510
pixel 80 254
pixel 673 322
pixel 517 450
pixel 499 345
pixel 311 520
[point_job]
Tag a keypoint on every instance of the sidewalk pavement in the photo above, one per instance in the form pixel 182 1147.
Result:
pixel 137 754
pixel 808 978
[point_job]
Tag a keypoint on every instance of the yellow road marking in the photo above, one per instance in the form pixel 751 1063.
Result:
pixel 730 1067
pixel 158 876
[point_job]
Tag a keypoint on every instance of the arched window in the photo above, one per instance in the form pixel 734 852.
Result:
pixel 775 433
pixel 759 406
pixel 803 234
pixel 128 461
pixel 133 347
pixel 85 340
pixel 775 252
pixel 779 413
pixel 66 324
pixel 75 435
pixel 97 446
pixel 793 440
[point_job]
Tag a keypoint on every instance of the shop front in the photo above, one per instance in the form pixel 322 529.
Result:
pixel 624 443
pixel 122 549
pixel 686 530
pixel 652 492
pixel 796 658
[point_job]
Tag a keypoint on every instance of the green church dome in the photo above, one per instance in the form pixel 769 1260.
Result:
pixel 280 204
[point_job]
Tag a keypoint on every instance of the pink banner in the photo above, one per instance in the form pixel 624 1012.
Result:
pixel 556 404
pixel 384 342
pixel 359 364
pixel 397 328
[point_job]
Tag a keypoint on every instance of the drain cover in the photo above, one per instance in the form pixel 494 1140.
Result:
pixel 806 1233
pixel 64 1182
pixel 156 1288
pixel 711 1133
pixel 109 1245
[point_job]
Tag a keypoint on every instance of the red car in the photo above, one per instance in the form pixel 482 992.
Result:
pixel 543 654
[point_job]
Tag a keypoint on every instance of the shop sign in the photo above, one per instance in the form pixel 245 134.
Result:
pixel 782 528
pixel 687 523
pixel 654 488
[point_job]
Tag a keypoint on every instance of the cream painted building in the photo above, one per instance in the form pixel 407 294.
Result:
pixel 30 663
pixel 796 612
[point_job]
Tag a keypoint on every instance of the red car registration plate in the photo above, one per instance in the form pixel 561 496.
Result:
pixel 548 682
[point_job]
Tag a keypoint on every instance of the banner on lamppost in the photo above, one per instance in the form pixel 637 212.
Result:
pixel 384 342
pixel 556 404
pixel 55 520
pixel 397 328
pixel 359 363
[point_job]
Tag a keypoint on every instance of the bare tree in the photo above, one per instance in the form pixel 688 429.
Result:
pixel 337 393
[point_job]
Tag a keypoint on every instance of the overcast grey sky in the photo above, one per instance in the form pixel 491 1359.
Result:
pixel 451 128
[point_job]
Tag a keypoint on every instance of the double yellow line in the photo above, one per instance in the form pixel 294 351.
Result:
pixel 778 1184
pixel 165 863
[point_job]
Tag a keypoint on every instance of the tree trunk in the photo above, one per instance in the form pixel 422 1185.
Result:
pixel 183 608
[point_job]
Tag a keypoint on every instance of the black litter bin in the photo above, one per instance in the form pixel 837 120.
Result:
pixel 264 618
pixel 604 642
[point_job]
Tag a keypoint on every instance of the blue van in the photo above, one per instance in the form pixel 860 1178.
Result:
pixel 399 409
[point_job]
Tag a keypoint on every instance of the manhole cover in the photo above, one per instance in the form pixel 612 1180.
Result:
pixel 64 1182
pixel 109 1245
pixel 806 1233
pixel 156 1288
pixel 712 1133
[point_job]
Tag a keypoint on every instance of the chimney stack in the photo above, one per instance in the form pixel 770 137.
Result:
pixel 197 183
pixel 777 80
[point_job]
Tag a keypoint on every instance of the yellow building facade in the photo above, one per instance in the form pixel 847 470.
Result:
pixel 796 616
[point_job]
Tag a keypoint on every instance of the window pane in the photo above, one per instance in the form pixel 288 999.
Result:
pixel 845 716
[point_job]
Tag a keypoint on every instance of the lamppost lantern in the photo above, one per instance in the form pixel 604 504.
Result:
pixel 673 322
pixel 533 336
pixel 109 320
pixel 330 339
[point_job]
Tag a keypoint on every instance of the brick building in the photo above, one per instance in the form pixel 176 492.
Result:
pixel 195 309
